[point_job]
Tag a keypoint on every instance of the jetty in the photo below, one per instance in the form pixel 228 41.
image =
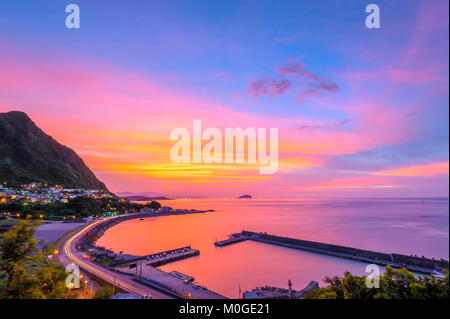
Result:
pixel 412 263
pixel 235 238
pixel 158 259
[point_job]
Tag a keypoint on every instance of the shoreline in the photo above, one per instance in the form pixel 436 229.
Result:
pixel 89 240
pixel 174 284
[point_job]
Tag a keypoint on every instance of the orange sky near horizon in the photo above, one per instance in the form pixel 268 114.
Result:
pixel 359 112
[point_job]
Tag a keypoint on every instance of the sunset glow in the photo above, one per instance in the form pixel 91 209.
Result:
pixel 347 108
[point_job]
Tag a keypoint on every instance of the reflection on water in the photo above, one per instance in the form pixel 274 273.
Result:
pixel 401 226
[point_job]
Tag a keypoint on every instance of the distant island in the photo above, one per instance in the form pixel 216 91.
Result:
pixel 245 197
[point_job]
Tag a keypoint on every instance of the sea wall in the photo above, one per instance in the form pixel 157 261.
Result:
pixel 413 263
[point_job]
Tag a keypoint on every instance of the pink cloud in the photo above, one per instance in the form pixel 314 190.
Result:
pixel 425 170
pixel 120 123
pixel 413 76
pixel 391 75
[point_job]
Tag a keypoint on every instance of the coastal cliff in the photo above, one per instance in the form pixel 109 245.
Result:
pixel 28 154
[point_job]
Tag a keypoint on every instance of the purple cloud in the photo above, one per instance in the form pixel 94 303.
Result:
pixel 293 77
pixel 343 122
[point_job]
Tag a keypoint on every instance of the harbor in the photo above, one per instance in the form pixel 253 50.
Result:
pixel 180 281
pixel 412 263
pixel 142 269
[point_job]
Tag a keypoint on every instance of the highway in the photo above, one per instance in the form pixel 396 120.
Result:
pixel 71 255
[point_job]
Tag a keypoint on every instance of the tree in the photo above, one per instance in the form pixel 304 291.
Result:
pixel 17 246
pixel 394 284
pixel 154 205
pixel 17 252
pixel 104 293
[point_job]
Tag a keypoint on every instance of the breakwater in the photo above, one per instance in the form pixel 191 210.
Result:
pixel 159 259
pixel 412 263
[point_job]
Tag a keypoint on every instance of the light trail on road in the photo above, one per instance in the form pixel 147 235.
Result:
pixel 97 269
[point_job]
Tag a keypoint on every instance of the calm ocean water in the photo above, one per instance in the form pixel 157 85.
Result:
pixel 408 226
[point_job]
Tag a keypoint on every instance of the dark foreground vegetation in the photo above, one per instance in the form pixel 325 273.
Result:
pixel 394 284
pixel 23 271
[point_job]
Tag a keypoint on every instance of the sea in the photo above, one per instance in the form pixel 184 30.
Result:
pixel 412 226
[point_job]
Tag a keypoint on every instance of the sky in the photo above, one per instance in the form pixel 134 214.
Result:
pixel 360 112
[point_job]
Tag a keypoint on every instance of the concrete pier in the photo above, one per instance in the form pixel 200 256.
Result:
pixel 235 238
pixel 412 263
pixel 159 259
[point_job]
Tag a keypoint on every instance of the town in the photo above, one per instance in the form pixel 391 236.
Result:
pixel 46 202
pixel 55 202
pixel 44 194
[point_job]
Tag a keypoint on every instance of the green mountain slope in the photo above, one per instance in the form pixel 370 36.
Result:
pixel 27 154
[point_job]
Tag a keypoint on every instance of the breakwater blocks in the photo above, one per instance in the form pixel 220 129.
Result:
pixel 412 263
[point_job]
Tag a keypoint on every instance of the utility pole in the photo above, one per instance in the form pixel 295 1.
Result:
pixel 290 288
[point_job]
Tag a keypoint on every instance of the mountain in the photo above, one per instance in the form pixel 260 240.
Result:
pixel 27 155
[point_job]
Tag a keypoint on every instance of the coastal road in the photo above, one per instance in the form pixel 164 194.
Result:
pixel 69 254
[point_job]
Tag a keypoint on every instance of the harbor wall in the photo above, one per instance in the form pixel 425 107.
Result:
pixel 413 263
